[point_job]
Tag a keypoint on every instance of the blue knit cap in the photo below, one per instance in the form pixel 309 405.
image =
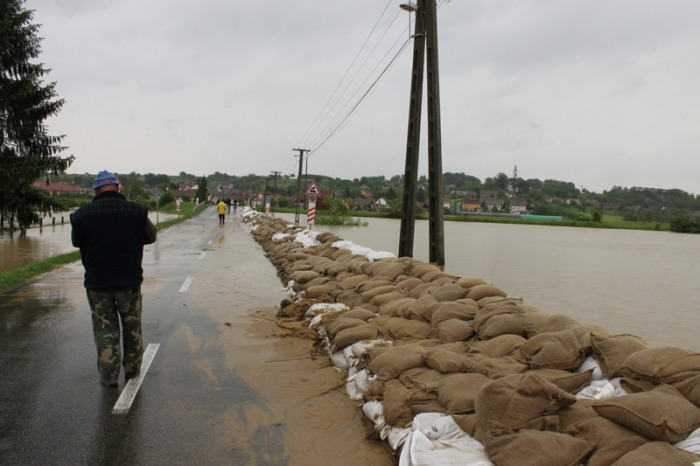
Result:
pixel 104 178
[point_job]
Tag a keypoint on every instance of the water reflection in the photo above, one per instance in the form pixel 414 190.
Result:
pixel 41 243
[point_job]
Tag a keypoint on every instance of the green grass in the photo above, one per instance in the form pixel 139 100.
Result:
pixel 19 275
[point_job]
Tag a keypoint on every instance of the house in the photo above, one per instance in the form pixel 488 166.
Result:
pixel 518 205
pixel 493 205
pixel 471 205
pixel 58 188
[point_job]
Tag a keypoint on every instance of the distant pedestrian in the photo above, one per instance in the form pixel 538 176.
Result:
pixel 111 232
pixel 221 206
pixel 235 204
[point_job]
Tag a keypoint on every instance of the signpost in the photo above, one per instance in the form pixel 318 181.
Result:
pixel 312 192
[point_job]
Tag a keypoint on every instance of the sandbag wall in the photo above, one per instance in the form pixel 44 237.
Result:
pixel 532 387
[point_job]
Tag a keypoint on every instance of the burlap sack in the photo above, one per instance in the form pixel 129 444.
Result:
pixel 468 283
pixel 341 323
pixel 448 293
pixel 304 276
pixel 504 324
pixel 385 298
pixel 314 292
pixel 457 392
pixel 422 290
pixel 631 385
pixel 370 293
pixel 348 297
pixel 611 439
pixel 360 313
pixel 575 413
pixel 583 333
pixel 658 453
pixel 535 448
pixel 405 329
pixel 442 311
pixel 661 414
pixel 662 365
pixel 389 268
pixel 690 388
pixel 478 292
pixel 489 311
pixel 352 281
pixel 408 284
pixel 396 307
pixel 394 361
pixel 420 401
pixel 422 377
pixel 551 323
pixel 418 269
pixel 395 395
pixel 352 335
pixel 611 352
pixel 556 350
pixel 338 253
pixel 452 330
pixel 505 404
pixel 419 309
pixel 570 382
pixel 500 346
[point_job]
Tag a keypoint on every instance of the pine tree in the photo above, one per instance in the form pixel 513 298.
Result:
pixel 27 151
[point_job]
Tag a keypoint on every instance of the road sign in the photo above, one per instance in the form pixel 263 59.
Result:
pixel 311 215
pixel 313 189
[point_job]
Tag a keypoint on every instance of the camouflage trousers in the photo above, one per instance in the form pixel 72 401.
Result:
pixel 110 307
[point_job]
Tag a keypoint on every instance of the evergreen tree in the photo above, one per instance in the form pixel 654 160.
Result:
pixel 202 191
pixel 27 151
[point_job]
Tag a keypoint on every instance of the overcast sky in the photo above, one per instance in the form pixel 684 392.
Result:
pixel 599 93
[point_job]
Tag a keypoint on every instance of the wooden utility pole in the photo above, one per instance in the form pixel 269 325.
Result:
pixel 301 165
pixel 425 55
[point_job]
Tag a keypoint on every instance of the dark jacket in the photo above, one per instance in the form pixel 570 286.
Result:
pixel 110 232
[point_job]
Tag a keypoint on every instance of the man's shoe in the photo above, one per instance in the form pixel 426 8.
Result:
pixel 131 375
pixel 109 383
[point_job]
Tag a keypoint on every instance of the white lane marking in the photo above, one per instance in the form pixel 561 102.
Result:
pixel 131 388
pixel 185 286
pixel 201 256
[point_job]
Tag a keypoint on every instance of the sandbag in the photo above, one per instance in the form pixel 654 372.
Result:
pixel 611 439
pixel 661 414
pixel 557 350
pixel 535 448
pixel 452 330
pixel 611 352
pixel 457 392
pixel 505 404
pixel 662 365
pixel 394 361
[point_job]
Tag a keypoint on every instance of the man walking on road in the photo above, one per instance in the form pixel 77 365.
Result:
pixel 111 232
pixel 222 212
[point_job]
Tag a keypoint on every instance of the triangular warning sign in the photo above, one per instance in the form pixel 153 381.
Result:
pixel 313 189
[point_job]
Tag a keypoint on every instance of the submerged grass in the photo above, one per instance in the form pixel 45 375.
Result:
pixel 19 275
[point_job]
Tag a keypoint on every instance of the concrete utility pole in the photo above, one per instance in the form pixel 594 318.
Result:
pixel 301 165
pixel 425 47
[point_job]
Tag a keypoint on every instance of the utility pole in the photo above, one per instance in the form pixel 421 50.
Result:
pixel 425 55
pixel 301 165
pixel 274 186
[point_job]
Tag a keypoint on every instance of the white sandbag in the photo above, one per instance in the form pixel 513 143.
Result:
pixel 590 363
pixel 395 436
pixel 321 308
pixel 360 348
pixel 437 440
pixel 340 361
pixel 691 444
pixel 374 411
pixel 376 255
pixel 597 390
pixel 363 381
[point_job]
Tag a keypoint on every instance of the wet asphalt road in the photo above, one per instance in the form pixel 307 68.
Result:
pixel 53 409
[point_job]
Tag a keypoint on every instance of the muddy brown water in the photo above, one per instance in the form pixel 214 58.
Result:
pixel 628 281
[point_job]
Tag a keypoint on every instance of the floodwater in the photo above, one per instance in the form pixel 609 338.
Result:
pixel 41 243
pixel 628 281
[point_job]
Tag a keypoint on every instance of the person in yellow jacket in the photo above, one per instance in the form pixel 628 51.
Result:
pixel 222 212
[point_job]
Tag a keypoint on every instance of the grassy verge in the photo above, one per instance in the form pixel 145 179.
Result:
pixel 20 275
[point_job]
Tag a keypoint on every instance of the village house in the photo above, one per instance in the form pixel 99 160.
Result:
pixel 471 205
pixel 518 205
pixel 493 205
pixel 58 188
